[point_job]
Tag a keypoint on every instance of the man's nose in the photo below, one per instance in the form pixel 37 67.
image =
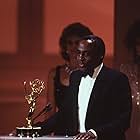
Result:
pixel 81 56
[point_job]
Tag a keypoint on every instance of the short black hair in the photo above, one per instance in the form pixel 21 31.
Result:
pixel 100 43
pixel 73 29
pixel 96 41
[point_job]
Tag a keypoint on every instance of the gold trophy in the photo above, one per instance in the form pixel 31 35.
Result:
pixel 36 87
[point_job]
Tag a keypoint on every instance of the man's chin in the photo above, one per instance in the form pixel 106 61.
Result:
pixel 82 68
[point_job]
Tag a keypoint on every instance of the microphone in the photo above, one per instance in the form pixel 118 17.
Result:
pixel 46 109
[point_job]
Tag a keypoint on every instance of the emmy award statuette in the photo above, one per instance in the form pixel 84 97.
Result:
pixel 36 87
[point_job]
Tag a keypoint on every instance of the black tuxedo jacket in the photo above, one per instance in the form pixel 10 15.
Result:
pixel 109 108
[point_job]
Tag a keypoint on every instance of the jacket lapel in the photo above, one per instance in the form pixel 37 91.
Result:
pixel 97 91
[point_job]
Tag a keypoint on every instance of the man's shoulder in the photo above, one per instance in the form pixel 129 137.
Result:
pixel 113 72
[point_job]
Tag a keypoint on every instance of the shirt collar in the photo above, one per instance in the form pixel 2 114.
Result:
pixel 97 70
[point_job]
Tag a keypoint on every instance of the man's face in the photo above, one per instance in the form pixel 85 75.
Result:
pixel 87 55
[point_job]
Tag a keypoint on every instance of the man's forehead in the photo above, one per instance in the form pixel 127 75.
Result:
pixel 83 43
pixel 87 44
pixel 85 48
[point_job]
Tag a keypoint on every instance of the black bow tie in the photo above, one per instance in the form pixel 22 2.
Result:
pixel 87 72
pixel 76 76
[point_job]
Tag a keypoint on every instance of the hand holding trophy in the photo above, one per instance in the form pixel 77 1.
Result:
pixel 36 86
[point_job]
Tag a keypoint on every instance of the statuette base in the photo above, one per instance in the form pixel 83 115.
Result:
pixel 28 131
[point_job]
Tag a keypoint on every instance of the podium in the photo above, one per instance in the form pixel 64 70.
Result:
pixel 36 138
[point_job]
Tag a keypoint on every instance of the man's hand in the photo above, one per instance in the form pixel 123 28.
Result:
pixel 85 136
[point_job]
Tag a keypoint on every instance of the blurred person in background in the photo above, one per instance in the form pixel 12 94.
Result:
pixel 132 70
pixel 58 79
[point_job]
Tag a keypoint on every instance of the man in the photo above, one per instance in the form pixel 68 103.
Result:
pixel 98 105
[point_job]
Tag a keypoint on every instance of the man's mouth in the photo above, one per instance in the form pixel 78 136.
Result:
pixel 82 65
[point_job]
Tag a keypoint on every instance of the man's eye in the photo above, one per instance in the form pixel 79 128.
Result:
pixel 86 54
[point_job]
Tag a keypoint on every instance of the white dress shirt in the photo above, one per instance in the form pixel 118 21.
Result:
pixel 85 89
